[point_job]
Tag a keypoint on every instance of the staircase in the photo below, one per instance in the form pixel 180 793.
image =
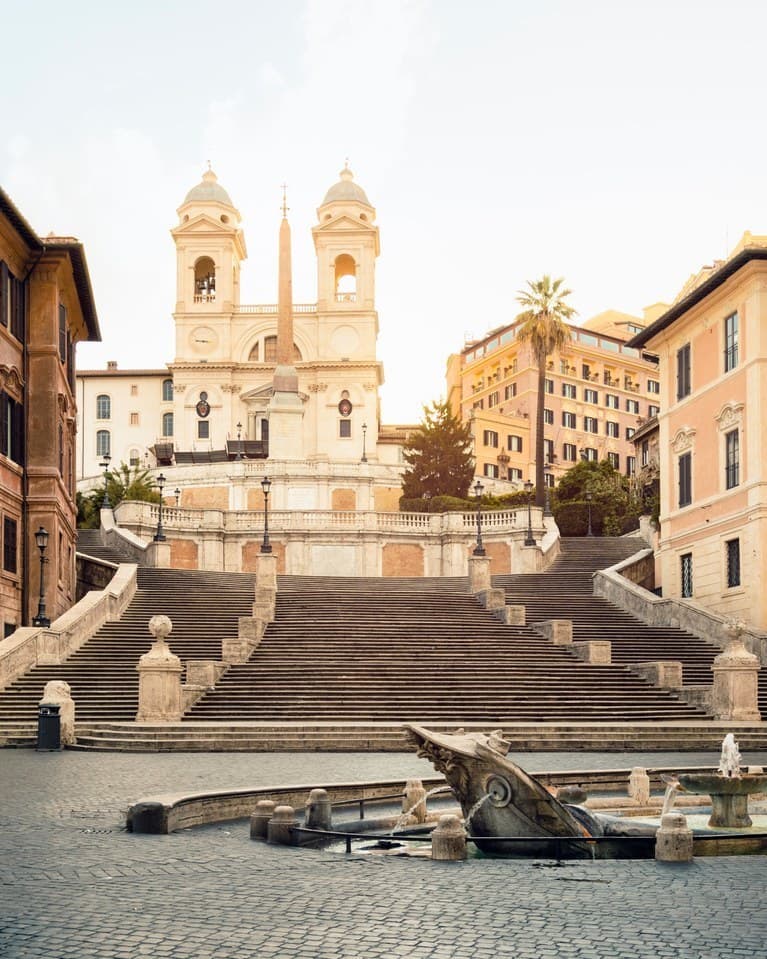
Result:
pixel 89 544
pixel 102 674
pixel 347 661
pixel 565 592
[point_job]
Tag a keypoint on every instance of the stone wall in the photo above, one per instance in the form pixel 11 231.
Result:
pixel 401 559
pixel 207 497
pixel 92 574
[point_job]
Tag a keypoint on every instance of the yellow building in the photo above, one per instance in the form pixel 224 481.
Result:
pixel 712 349
pixel 599 391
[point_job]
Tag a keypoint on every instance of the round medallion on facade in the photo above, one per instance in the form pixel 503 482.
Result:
pixel 345 407
pixel 203 407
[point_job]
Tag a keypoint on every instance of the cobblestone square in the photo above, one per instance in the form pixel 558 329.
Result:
pixel 74 883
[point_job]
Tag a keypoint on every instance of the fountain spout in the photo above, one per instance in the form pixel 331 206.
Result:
pixel 729 764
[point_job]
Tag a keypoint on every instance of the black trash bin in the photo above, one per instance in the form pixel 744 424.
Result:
pixel 48 726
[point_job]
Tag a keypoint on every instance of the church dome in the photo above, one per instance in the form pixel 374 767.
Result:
pixel 346 189
pixel 208 191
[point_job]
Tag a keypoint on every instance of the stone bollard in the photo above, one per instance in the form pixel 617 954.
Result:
pixel 319 812
pixel 639 786
pixel 266 571
pixel 159 678
pixel 260 818
pixel 414 801
pixel 448 840
pixel 673 842
pixel 279 830
pixel 58 693
pixel 734 695
pixel 479 574
pixel 491 599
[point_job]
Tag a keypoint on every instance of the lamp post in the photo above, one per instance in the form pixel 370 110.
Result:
pixel 427 499
pixel 239 444
pixel 479 549
pixel 41 538
pixel 546 476
pixel 589 531
pixel 177 492
pixel 529 538
pixel 159 536
pixel 266 485
pixel 364 438
pixel 106 459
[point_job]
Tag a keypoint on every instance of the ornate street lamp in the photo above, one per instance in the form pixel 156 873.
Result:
pixel 106 459
pixel 547 474
pixel 589 531
pixel 41 538
pixel 266 485
pixel 159 536
pixel 479 549
pixel 177 491
pixel 239 444
pixel 364 437
pixel 529 538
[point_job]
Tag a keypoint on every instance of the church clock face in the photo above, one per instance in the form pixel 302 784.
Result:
pixel 203 340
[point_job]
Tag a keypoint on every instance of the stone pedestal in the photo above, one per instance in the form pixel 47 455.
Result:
pixel 639 786
pixel 493 598
pixel 598 652
pixel 673 841
pixel 259 821
pixel 159 691
pixel 729 811
pixel 202 672
pixel 265 604
pixel 734 695
pixel 58 693
pixel 559 631
pixel 479 574
pixel 319 813
pixel 448 840
pixel 666 673
pixel 266 571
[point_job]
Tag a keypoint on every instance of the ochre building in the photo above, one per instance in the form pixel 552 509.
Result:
pixel 46 308
pixel 599 391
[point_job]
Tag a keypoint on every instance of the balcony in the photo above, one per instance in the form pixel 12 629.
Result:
pixel 346 297
pixel 205 297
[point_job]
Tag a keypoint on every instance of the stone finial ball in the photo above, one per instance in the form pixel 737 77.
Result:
pixel 160 626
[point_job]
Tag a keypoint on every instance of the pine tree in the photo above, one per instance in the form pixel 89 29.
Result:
pixel 439 455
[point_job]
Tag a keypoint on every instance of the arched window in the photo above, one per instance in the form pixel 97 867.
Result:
pixel 204 280
pixel 167 424
pixel 167 391
pixel 254 353
pixel 346 279
pixel 103 443
pixel 270 349
pixel 103 407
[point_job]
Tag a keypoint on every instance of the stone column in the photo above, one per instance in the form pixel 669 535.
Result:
pixel 734 695
pixel 259 821
pixel 159 690
pixel 279 830
pixel 319 812
pixel 479 574
pixel 639 786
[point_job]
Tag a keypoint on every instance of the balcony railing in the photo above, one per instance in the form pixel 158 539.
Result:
pixel 271 308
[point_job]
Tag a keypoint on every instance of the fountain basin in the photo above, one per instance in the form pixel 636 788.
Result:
pixel 729 796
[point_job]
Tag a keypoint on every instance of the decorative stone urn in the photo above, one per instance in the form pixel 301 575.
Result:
pixel 159 691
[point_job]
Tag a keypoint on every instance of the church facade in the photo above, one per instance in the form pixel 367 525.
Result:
pixel 292 385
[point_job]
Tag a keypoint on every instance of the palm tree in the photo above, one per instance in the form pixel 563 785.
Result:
pixel 545 328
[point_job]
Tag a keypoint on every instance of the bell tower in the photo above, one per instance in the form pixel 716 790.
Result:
pixel 347 244
pixel 210 247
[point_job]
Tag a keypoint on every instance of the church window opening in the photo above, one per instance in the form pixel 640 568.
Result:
pixel 345 429
pixel 167 424
pixel 346 279
pixel 203 429
pixel 103 407
pixel 167 391
pixel 270 349
pixel 102 443
pixel 205 280
pixel 255 352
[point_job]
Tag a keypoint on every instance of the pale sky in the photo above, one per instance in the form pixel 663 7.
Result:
pixel 618 145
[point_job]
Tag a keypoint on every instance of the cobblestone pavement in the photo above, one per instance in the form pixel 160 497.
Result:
pixel 73 883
